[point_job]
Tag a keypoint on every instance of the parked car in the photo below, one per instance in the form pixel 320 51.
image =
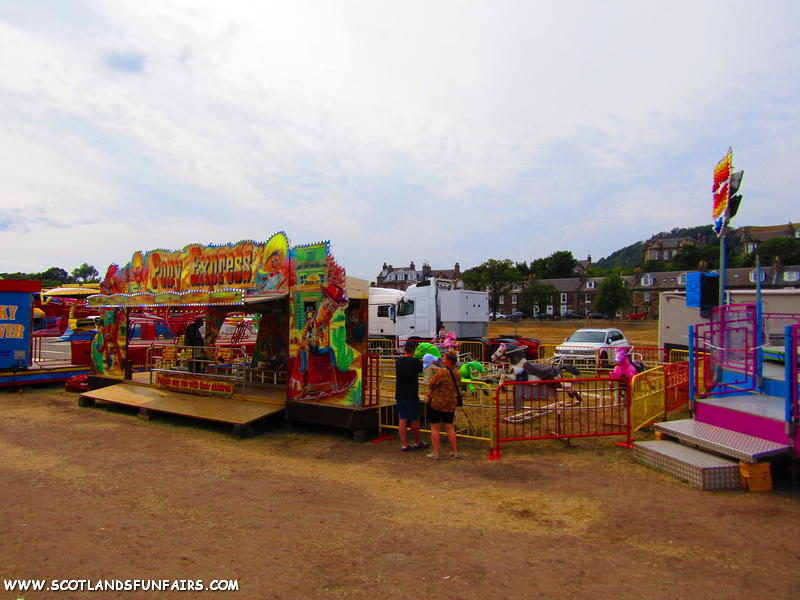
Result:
pixel 544 315
pixel 517 315
pixel 637 316
pixel 498 316
pixel 595 315
pixel 571 314
pixel 586 346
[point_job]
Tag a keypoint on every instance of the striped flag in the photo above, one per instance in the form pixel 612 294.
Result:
pixel 722 178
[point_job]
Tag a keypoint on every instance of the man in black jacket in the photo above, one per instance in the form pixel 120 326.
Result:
pixel 193 338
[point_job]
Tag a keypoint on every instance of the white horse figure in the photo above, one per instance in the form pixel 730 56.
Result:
pixel 524 370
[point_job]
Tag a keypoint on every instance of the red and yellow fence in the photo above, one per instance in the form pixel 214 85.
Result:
pixel 561 409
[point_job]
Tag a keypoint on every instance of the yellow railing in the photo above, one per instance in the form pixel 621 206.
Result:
pixel 584 357
pixel 476 350
pixel 473 420
pixel 647 397
pixel 381 347
pixel 678 356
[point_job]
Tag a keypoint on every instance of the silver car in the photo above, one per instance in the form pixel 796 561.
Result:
pixel 587 346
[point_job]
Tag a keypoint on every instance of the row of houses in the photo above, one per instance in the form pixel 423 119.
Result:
pixel 578 294
pixel 401 277
pixel 665 250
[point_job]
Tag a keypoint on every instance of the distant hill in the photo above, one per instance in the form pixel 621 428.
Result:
pixel 633 255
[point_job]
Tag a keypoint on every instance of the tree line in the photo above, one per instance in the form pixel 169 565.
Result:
pixel 499 276
pixel 56 276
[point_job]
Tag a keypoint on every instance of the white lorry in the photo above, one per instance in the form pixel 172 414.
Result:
pixel 432 304
pixel 382 307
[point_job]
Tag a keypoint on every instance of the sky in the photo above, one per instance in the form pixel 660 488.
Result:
pixel 439 131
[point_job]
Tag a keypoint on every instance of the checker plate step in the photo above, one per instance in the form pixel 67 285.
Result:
pixel 722 441
pixel 703 471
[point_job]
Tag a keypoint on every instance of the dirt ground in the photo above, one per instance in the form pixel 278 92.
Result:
pixel 305 512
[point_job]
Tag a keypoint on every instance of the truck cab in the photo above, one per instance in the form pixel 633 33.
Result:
pixel 382 312
pixel 432 304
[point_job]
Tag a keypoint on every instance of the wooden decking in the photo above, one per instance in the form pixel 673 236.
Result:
pixel 237 410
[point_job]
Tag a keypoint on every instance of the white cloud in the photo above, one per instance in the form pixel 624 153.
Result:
pixel 458 130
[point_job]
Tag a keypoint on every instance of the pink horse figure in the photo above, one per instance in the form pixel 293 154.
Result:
pixel 449 342
pixel 445 341
pixel 626 367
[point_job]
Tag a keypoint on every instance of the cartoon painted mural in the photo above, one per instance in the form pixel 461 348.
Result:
pixel 109 344
pixel 322 365
pixel 202 274
pixel 306 322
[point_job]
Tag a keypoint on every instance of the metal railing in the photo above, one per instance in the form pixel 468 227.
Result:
pixel 381 347
pixel 472 350
pixel 370 377
pixel 730 340
pixel 587 358
pixel 562 409
pixel 473 420
pixel 227 363
pixel 676 386
pixel 647 397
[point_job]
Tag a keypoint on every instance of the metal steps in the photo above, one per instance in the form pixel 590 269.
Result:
pixel 715 439
pixel 703 471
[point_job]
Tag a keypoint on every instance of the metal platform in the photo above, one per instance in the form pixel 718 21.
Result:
pixel 51 372
pixel 236 410
pixel 703 471
pixel 761 405
pixel 722 441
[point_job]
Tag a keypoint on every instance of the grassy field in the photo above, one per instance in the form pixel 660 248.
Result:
pixel 638 333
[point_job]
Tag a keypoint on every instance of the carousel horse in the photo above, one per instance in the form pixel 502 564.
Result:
pixel 524 370
pixel 449 341
pixel 424 348
pixel 626 367
pixel 466 372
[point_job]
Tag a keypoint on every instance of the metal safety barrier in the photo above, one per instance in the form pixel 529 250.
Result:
pixel 561 409
pixel 647 397
pixel 370 374
pixel 650 356
pixel 382 347
pixel 586 358
pixel 676 386
pixel 475 350
pixel 676 356
pixel 472 421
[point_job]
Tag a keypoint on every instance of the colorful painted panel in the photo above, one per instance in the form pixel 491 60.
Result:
pixel 15 324
pixel 109 347
pixel 200 274
pixel 324 366
pixel 194 384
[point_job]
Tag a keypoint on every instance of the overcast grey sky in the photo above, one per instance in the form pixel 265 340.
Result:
pixel 440 131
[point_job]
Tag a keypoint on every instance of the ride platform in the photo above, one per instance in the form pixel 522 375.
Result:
pixel 237 411
pixel 37 374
